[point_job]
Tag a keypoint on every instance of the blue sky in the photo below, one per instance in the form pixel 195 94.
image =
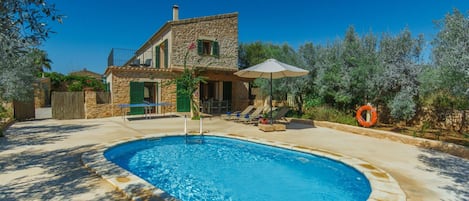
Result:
pixel 93 27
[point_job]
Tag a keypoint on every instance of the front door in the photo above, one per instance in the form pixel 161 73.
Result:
pixel 183 102
pixel 136 97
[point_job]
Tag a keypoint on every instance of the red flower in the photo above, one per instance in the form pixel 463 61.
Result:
pixel 191 46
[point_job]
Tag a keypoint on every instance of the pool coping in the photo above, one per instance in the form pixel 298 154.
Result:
pixel 383 185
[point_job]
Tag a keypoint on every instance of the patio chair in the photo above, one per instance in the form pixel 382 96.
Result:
pixel 253 117
pixel 237 114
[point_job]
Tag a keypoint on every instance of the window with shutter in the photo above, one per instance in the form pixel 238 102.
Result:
pixel 216 49
pixel 166 53
pixel 200 47
pixel 208 48
pixel 157 56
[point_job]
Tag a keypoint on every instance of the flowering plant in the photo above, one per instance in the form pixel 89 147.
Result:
pixel 189 81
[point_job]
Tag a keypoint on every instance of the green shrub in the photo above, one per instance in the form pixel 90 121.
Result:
pixel 325 113
pixel 313 102
pixel 74 82
pixel 3 112
pixel 426 125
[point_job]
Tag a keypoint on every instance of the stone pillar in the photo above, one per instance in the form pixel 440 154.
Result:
pixel 90 104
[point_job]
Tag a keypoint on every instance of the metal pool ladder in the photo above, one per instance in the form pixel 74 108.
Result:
pixel 194 139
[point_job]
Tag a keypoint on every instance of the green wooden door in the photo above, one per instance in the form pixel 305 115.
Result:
pixel 136 97
pixel 183 102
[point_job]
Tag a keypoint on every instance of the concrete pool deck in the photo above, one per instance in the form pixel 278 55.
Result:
pixel 40 160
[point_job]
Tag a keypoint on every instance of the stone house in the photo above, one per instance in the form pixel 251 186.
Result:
pixel 145 76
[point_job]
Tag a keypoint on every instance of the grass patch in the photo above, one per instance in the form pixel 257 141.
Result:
pixel 324 113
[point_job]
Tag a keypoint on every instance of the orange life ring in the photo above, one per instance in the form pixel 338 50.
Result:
pixel 363 122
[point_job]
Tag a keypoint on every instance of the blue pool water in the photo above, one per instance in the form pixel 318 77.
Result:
pixel 228 169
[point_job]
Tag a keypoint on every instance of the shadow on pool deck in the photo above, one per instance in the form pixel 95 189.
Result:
pixel 32 134
pixel 58 175
pixel 448 166
pixel 35 166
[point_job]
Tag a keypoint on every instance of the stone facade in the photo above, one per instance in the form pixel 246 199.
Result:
pixel 120 88
pixel 220 28
pixel 178 35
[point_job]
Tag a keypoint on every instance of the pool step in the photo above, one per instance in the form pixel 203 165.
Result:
pixel 194 139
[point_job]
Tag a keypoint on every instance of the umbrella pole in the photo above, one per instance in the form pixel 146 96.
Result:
pixel 271 99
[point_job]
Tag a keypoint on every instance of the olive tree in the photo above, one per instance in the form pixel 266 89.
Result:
pixel 398 81
pixel 451 56
pixel 451 60
pixel 24 26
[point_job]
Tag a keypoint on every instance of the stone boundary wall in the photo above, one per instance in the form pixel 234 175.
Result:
pixel 42 92
pixel 448 119
pixel 94 110
pixel 450 148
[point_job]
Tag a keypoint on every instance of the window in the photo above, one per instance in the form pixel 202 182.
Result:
pixel 161 55
pixel 208 48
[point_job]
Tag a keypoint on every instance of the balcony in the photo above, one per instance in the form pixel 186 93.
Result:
pixel 129 57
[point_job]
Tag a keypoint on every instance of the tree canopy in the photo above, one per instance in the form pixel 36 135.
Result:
pixel 24 26
pixel 389 71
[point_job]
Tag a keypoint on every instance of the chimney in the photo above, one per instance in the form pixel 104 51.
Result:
pixel 175 13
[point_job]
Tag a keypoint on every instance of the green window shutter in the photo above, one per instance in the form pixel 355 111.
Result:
pixel 183 102
pixel 200 47
pixel 108 87
pixel 136 97
pixel 166 53
pixel 216 49
pixel 157 56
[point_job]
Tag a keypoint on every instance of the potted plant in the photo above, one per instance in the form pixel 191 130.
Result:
pixel 264 119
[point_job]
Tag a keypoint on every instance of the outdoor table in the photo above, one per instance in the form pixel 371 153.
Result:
pixel 147 107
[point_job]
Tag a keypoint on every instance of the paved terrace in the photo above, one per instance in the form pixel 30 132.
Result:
pixel 40 160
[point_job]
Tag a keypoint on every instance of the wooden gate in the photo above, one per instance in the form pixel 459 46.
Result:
pixel 68 105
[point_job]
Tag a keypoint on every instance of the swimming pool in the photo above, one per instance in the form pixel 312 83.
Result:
pixel 228 169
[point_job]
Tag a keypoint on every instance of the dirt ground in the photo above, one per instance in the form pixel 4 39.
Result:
pixel 428 133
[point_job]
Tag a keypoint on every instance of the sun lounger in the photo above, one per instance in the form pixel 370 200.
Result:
pixel 236 115
pixel 280 114
pixel 253 117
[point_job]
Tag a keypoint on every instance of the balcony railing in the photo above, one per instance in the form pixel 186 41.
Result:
pixel 120 56
pixel 128 57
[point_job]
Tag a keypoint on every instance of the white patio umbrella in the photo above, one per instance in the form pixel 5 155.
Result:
pixel 272 69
